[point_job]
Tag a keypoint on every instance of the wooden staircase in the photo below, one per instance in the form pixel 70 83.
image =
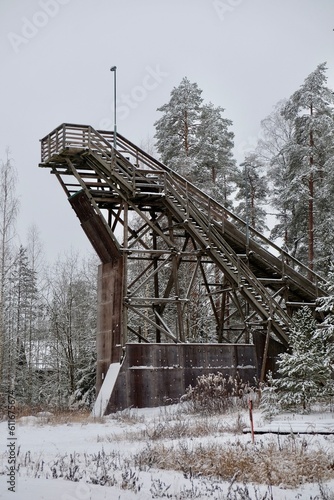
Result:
pixel 104 185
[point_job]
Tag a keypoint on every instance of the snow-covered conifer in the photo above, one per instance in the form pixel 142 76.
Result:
pixel 252 191
pixel 176 130
pixel 195 140
pixel 310 160
pixel 215 164
pixel 305 370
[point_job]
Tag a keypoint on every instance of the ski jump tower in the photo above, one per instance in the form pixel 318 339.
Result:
pixel 170 257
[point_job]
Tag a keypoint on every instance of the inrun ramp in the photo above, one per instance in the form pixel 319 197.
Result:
pixel 176 266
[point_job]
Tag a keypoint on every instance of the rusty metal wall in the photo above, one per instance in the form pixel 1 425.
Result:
pixel 157 374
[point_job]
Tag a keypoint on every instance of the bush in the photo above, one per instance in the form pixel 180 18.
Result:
pixel 215 393
pixel 305 370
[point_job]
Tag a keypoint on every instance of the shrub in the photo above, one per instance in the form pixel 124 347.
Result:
pixel 215 393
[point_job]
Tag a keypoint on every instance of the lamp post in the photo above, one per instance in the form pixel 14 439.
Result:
pixel 113 69
pixel 246 205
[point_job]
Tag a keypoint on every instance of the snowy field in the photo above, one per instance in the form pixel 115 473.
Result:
pixel 114 457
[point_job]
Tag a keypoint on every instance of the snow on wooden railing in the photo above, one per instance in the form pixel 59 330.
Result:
pixel 214 210
pixel 71 136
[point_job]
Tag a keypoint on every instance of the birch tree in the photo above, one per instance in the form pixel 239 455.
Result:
pixel 72 314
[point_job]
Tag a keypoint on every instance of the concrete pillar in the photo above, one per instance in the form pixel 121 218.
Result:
pixel 109 317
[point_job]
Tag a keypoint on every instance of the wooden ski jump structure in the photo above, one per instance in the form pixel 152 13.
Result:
pixel 167 249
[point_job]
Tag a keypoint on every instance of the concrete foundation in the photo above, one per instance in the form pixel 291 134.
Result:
pixel 157 374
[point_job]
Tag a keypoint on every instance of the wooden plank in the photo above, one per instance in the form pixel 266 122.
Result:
pixel 94 228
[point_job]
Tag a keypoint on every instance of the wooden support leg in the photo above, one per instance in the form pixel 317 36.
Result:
pixel 265 352
pixel 109 325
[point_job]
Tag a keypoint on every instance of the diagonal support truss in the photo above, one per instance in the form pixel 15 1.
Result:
pixel 191 271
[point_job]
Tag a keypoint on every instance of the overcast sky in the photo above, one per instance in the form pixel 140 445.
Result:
pixel 56 56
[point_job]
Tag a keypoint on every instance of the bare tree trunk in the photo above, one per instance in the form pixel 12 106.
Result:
pixel 186 133
pixel 311 206
pixel 311 224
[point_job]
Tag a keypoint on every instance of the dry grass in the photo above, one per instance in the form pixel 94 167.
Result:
pixel 216 394
pixel 172 441
pixel 56 418
pixel 191 428
pixel 290 464
pixel 128 416
pixel 176 426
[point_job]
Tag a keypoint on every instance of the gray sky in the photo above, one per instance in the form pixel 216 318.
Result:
pixel 56 56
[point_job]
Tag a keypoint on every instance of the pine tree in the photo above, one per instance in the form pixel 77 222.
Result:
pixel 306 370
pixel 310 161
pixel 325 306
pixel 84 394
pixel 195 140
pixel 22 311
pixel 176 130
pixel 277 132
pixel 215 164
pixel 252 190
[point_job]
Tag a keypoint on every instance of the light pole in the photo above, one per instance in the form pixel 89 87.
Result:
pixel 113 69
pixel 246 205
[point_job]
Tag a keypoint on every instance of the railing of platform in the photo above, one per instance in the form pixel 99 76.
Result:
pixel 68 136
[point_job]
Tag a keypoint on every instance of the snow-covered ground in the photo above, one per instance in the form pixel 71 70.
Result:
pixel 46 451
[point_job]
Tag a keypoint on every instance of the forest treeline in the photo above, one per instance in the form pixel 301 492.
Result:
pixel 48 313
pixel 289 172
